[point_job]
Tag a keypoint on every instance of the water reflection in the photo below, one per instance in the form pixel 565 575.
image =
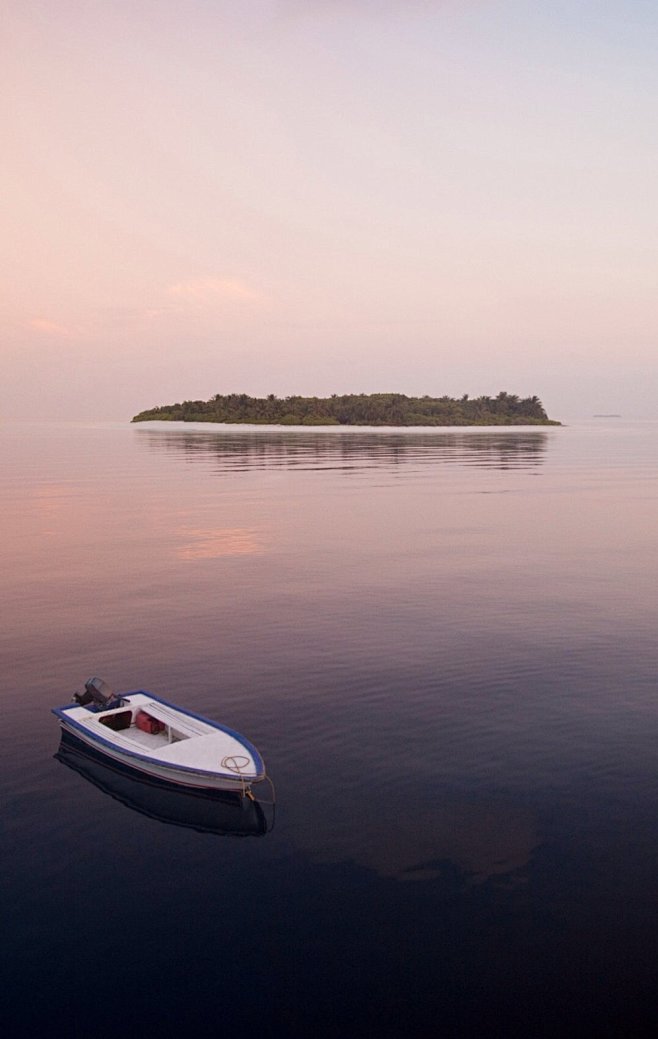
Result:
pixel 207 812
pixel 222 541
pixel 257 448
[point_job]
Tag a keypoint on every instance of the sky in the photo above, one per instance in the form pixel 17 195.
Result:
pixel 327 196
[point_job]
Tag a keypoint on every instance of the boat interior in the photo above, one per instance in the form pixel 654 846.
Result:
pixel 151 725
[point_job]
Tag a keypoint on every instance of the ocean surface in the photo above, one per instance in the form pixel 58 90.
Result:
pixel 444 644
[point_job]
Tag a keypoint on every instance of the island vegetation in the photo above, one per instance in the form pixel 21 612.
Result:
pixel 374 409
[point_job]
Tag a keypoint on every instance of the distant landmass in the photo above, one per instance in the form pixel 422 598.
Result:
pixel 374 409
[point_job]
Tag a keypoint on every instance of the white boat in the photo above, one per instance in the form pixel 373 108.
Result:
pixel 156 738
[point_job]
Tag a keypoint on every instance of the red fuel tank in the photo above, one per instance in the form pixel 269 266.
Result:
pixel 146 723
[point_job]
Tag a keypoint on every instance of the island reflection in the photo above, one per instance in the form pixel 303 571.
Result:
pixel 237 449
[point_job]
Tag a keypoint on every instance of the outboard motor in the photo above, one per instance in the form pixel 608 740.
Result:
pixel 99 693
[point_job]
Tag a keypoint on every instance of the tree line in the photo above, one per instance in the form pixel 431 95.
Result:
pixel 356 409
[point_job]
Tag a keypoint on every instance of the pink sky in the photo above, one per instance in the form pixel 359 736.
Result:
pixel 291 196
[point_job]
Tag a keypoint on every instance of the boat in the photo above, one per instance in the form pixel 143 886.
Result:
pixel 156 738
pixel 216 812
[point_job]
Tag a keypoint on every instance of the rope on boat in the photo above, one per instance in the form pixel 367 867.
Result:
pixel 235 763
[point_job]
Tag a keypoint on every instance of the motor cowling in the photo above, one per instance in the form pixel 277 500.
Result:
pixel 98 692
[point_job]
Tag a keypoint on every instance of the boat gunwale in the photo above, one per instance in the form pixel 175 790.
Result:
pixel 238 779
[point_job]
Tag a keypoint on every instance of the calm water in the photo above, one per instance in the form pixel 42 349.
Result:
pixel 444 645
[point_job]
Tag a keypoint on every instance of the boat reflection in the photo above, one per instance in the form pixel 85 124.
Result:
pixel 225 814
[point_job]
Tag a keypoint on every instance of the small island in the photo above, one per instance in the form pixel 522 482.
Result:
pixel 374 409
